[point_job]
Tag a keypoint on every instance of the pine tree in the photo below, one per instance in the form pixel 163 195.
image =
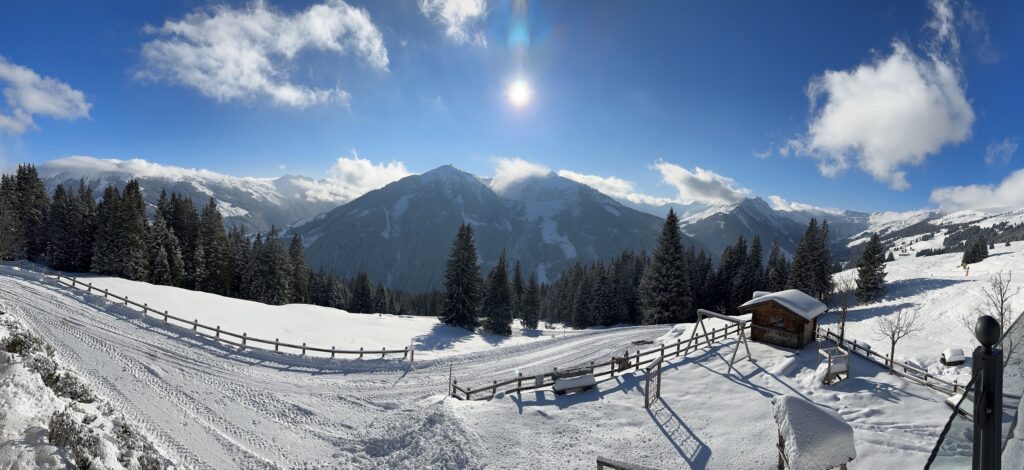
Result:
pixel 215 247
pixel 130 232
pixel 803 270
pixel 275 270
pixel 159 266
pixel 890 257
pixel 241 252
pixel 823 284
pixel 33 206
pixel 462 282
pixel 517 291
pixel 602 310
pixel 300 272
pixel 497 305
pixel 582 298
pixel 380 299
pixel 84 218
pixel 61 249
pixel 778 270
pixel 666 286
pixel 196 277
pixel 11 234
pixel 251 282
pixel 531 303
pixel 362 294
pixel 104 260
pixel 976 250
pixel 871 271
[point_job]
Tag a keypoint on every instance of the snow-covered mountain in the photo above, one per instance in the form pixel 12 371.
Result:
pixel 402 232
pixel 252 203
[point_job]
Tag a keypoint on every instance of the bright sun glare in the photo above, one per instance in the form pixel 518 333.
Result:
pixel 519 93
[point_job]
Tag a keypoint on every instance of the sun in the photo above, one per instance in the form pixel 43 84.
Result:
pixel 519 93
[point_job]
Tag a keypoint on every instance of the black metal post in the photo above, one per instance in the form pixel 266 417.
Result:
pixel 988 396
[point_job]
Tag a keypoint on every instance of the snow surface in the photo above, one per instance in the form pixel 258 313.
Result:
pixel 314 325
pixel 798 302
pixel 944 293
pixel 815 438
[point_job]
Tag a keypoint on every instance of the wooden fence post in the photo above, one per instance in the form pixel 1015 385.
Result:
pixel 360 352
pixel 165 316
pixel 638 360
pixel 412 354
pixel 218 331
pixel 90 288
pixel 105 293
pixel 382 352
pixel 332 352
pixel 303 348
pixel 195 324
pixel 126 301
pixel 277 344
pixel 244 335
pixel 494 389
pixel 519 383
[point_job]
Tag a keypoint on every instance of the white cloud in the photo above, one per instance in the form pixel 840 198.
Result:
pixel 509 170
pixel 27 94
pixel 614 187
pixel 943 23
pixel 885 115
pixel 700 185
pixel 92 167
pixel 1008 193
pixel 461 20
pixel 1000 152
pixel 781 204
pixel 351 177
pixel 241 54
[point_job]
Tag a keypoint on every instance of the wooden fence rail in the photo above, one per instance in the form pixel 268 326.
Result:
pixel 907 371
pixel 215 333
pixel 628 362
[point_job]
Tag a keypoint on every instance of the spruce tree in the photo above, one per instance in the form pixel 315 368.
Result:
pixel 33 206
pixel 497 304
pixel 531 303
pixel 362 294
pixel 462 282
pixel 11 234
pixel 61 224
pixel 777 272
pixel 159 266
pixel 380 299
pixel 871 271
pixel 215 247
pixel 602 310
pixel 517 291
pixel 666 286
pixel 104 260
pixel 252 284
pixel 130 232
pixel 300 272
pixel 582 298
pixel 84 217
pixel 275 269
pixel 803 271
pixel 890 258
pixel 823 264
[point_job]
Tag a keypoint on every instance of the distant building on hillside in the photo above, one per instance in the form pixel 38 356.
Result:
pixel 786 318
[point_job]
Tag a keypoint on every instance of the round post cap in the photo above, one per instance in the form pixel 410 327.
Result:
pixel 987 331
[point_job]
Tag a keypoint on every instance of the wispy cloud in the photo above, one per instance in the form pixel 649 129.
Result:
pixel 351 177
pixel 1008 193
pixel 1000 152
pixel 461 20
pixel 509 170
pixel 28 94
pixel 700 185
pixel 615 187
pixel 244 53
pixel 782 204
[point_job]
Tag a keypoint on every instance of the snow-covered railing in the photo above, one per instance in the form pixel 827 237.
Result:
pixel 621 364
pixel 902 369
pixel 215 333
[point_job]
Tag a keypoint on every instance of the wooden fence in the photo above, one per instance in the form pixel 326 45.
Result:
pixel 902 369
pixel 215 332
pixel 625 363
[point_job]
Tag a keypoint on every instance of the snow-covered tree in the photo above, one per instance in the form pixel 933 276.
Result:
pixel 531 303
pixel 462 282
pixel 777 270
pixel 300 272
pixel 362 294
pixel 666 283
pixel 497 304
pixel 871 271
pixel 896 326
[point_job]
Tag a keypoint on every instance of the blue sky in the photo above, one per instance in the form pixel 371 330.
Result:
pixel 647 92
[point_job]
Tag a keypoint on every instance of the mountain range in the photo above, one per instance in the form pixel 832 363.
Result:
pixel 400 234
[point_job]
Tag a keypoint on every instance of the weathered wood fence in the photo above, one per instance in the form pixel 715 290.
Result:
pixel 621 364
pixel 912 373
pixel 215 333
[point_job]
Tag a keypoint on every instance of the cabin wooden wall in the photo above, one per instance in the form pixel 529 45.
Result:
pixel 798 331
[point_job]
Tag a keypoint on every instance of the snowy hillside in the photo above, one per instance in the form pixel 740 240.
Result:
pixel 944 292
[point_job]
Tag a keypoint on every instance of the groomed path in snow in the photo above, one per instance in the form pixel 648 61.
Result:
pixel 210 406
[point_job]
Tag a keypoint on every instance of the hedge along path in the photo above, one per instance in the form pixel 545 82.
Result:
pixel 215 332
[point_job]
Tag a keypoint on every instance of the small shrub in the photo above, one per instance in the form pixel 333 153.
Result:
pixel 134 448
pixel 44 366
pixel 70 386
pixel 24 343
pixel 78 440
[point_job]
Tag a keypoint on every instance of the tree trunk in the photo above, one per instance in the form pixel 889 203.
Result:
pixel 892 355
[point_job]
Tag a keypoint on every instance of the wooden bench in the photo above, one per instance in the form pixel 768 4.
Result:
pixel 573 380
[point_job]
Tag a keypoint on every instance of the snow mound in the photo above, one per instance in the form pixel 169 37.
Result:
pixel 815 437
pixel 674 334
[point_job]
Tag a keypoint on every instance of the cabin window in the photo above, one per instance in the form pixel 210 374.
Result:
pixel 776 321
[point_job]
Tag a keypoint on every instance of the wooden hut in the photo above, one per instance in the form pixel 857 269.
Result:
pixel 786 318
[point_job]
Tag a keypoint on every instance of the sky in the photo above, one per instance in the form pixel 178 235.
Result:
pixel 869 106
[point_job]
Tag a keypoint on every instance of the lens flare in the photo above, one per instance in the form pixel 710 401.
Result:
pixel 519 93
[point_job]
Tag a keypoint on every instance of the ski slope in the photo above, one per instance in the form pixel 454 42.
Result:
pixel 209 406
pixel 943 292
pixel 318 326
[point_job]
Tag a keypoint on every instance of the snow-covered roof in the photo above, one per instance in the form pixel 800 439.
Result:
pixel 815 437
pixel 798 302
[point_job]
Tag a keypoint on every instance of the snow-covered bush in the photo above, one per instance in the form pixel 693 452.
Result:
pixel 24 343
pixel 81 442
pixel 42 365
pixel 68 385
pixel 135 451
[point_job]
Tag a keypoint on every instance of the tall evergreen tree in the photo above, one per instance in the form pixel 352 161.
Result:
pixel 531 303
pixel 497 304
pixel 362 294
pixel 130 232
pixel 871 271
pixel 462 282
pixel 666 284
pixel 215 248
pixel 602 306
pixel 105 242
pixel 159 265
pixel 824 284
pixel 61 249
pixel 778 270
pixel 11 235
pixel 33 205
pixel 517 291
pixel 84 217
pixel 300 272
pixel 803 270
pixel 275 270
